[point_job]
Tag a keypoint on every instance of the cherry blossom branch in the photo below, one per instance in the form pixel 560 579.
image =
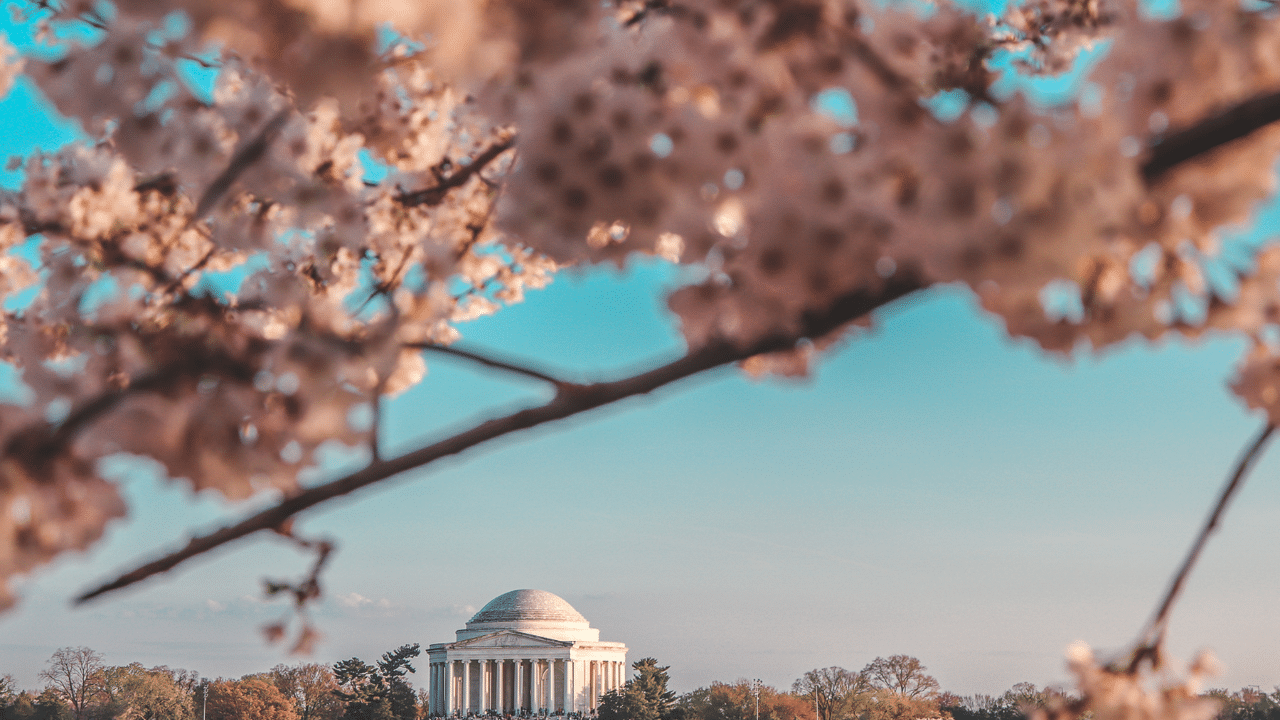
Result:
pixel 1153 636
pixel 240 161
pixel 1211 133
pixel 41 442
pixel 435 194
pixel 570 400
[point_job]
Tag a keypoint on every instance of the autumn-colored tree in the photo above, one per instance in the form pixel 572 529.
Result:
pixel 737 701
pixel 311 686
pixel 250 698
pixel 1247 704
pixel 132 692
pixel 75 675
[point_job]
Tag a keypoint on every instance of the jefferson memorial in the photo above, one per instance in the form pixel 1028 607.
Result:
pixel 526 652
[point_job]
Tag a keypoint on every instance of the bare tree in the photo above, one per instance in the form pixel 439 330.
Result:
pixel 76 675
pixel 834 691
pixel 902 676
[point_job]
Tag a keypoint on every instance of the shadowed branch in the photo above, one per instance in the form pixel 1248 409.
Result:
pixel 1211 133
pixel 569 401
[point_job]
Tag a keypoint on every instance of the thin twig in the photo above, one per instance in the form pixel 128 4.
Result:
pixel 375 426
pixel 1153 636
pixel 435 195
pixel 569 401
pixel 188 272
pixel 383 287
pixel 491 362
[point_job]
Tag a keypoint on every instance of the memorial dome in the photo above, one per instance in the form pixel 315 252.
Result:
pixel 527 653
pixel 537 612
pixel 536 605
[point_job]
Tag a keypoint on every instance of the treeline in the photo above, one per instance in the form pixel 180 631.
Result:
pixel 78 685
pixel 893 688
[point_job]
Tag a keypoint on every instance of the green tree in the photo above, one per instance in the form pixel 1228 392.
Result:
pixel 402 701
pixel 380 692
pixel 644 697
pixel 50 705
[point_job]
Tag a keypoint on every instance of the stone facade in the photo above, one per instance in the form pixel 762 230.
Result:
pixel 526 652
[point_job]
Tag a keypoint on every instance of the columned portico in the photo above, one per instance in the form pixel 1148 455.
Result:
pixel 527 652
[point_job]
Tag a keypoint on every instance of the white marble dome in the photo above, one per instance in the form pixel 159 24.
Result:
pixel 528 605
pixel 533 611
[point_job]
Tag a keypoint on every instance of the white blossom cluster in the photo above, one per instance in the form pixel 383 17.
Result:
pixel 216 286
pixel 225 284
pixel 1108 693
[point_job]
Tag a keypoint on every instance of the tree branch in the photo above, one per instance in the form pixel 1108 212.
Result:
pixel 40 442
pixel 1211 133
pixel 240 161
pixel 435 195
pixel 492 362
pixel 1153 636
pixel 569 401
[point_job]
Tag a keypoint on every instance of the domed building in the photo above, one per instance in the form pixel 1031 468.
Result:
pixel 526 652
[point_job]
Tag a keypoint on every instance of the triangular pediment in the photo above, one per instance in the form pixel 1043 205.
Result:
pixel 508 639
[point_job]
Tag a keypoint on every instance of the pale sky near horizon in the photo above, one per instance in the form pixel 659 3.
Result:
pixel 935 490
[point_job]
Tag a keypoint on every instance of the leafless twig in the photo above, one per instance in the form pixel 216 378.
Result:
pixel 492 362
pixel 1152 637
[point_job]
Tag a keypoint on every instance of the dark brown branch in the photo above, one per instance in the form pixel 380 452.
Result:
pixel 1211 133
pixel 569 401
pixel 246 156
pixel 435 195
pixel 490 361
pixel 40 443
pixel 1153 636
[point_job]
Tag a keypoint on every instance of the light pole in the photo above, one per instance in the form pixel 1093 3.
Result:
pixel 755 690
pixel 204 705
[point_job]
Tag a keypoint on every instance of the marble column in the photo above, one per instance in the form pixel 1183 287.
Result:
pixel 437 690
pixel 502 688
pixel 535 699
pixel 451 699
pixel 570 685
pixel 519 689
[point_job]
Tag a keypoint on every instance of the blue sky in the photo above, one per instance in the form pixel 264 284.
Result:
pixel 935 490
